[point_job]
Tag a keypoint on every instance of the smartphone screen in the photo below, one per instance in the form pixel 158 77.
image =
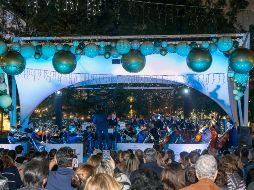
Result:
pixel 106 154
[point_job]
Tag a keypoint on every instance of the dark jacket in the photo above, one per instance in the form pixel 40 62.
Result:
pixel 20 159
pixel 60 179
pixel 152 166
pixel 12 174
pixel 100 119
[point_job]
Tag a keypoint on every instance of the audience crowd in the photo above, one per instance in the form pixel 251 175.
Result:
pixel 123 170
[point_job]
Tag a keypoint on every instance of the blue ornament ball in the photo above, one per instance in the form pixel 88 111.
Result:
pixel 59 47
pixel 156 50
pixel 102 44
pixel 48 50
pixel 171 48
pixel 114 53
pixel 225 44
pixel 146 48
pixel 205 45
pixel 15 47
pixel 113 44
pixel 241 78
pixel 75 43
pixel 157 43
pixel 123 46
pixel 164 44
pixel 107 55
pixel 91 50
pixel 133 62
pixel 27 51
pixel 5 101
pixel 3 48
pixel 237 98
pixel 199 60
pixel 193 45
pixel 135 44
pixel 102 50
pixel 241 60
pixel 212 47
pixel 183 49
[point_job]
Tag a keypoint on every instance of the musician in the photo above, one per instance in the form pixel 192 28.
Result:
pixel 100 120
pixel 159 123
pixel 142 134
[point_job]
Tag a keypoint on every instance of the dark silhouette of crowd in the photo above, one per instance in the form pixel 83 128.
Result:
pixel 135 170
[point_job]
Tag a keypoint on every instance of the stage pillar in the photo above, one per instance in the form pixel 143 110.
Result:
pixel 58 108
pixel 14 102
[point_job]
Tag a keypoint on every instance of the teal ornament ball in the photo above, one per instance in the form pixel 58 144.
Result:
pixel 78 51
pixel 163 51
pixel 64 62
pixel 5 101
pixel 34 43
pixel 37 55
pixel 123 46
pixel 114 53
pixel 193 45
pixel 107 55
pixel 133 62
pixel 199 60
pixel 235 44
pixel 75 43
pixel 91 50
pixel 113 44
pixel 72 50
pixel 102 50
pixel 15 47
pixel 241 78
pixel 156 50
pixel 183 49
pixel 237 98
pixel 231 74
pixel 171 48
pixel 157 43
pixel 146 48
pixel 225 44
pixel 3 48
pixel 241 60
pixel 164 44
pixel 240 94
pixel 235 92
pixel 135 44
pixel 38 48
pixel 3 86
pixel 205 45
pixel 212 47
pixel 48 50
pixel 13 63
pixel 66 47
pixel 102 44
pixel 27 51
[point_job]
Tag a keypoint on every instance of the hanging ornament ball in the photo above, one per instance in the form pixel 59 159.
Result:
pixel 157 43
pixel 3 48
pixel 78 51
pixel 235 92
pixel 34 43
pixel 163 51
pixel 66 47
pixel 156 50
pixel 135 44
pixel 171 48
pixel 199 60
pixel 237 98
pixel 48 50
pixel 91 50
pixel 241 78
pixel 123 46
pixel 113 44
pixel 183 49
pixel 231 74
pixel 15 47
pixel 133 62
pixel 107 55
pixel 108 48
pixel 75 43
pixel 64 62
pixel 241 60
pixel 146 48
pixel 205 45
pixel 38 48
pixel 225 44
pixel 72 49
pixel 235 44
pixel 240 94
pixel 37 55
pixel 5 101
pixel 212 47
pixel 27 51
pixel 193 45
pixel 114 53
pixel 13 63
pixel 102 44
pixel 164 44
pixel 102 50
pixel 3 86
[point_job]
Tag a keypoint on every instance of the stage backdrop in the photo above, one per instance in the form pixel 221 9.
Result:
pixel 39 80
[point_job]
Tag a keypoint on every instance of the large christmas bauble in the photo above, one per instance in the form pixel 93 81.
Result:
pixel 91 50
pixel 133 62
pixel 123 46
pixel 13 63
pixel 183 49
pixel 241 60
pixel 146 48
pixel 3 48
pixel 225 44
pixel 5 101
pixel 199 60
pixel 27 51
pixel 48 50
pixel 64 62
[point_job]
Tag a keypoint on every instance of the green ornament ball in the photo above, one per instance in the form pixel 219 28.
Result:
pixel 133 62
pixel 199 60
pixel 13 63
pixel 37 55
pixel 163 51
pixel 64 62
pixel 5 101
pixel 241 60
pixel 107 55
pixel 3 48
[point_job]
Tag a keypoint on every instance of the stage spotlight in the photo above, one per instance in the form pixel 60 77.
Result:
pixel 186 91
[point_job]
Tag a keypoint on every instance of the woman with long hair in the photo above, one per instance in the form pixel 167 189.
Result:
pixel 132 164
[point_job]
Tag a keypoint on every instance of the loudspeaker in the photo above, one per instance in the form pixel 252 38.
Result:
pixel 244 136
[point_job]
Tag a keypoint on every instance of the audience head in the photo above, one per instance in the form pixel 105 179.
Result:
pixel 12 154
pixel 19 149
pixel 52 154
pixel 1 166
pixel 139 153
pixel 193 157
pixel 132 164
pixel 82 174
pixel 146 179
pixel 35 173
pixel 64 157
pixel 170 156
pixel 105 167
pixel 150 155
pixel 190 176
pixel 251 154
pixel 206 167
pixel 102 181
pixel 221 179
pixel 7 161
pixel 94 160
pixel 173 177
pixel 228 164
